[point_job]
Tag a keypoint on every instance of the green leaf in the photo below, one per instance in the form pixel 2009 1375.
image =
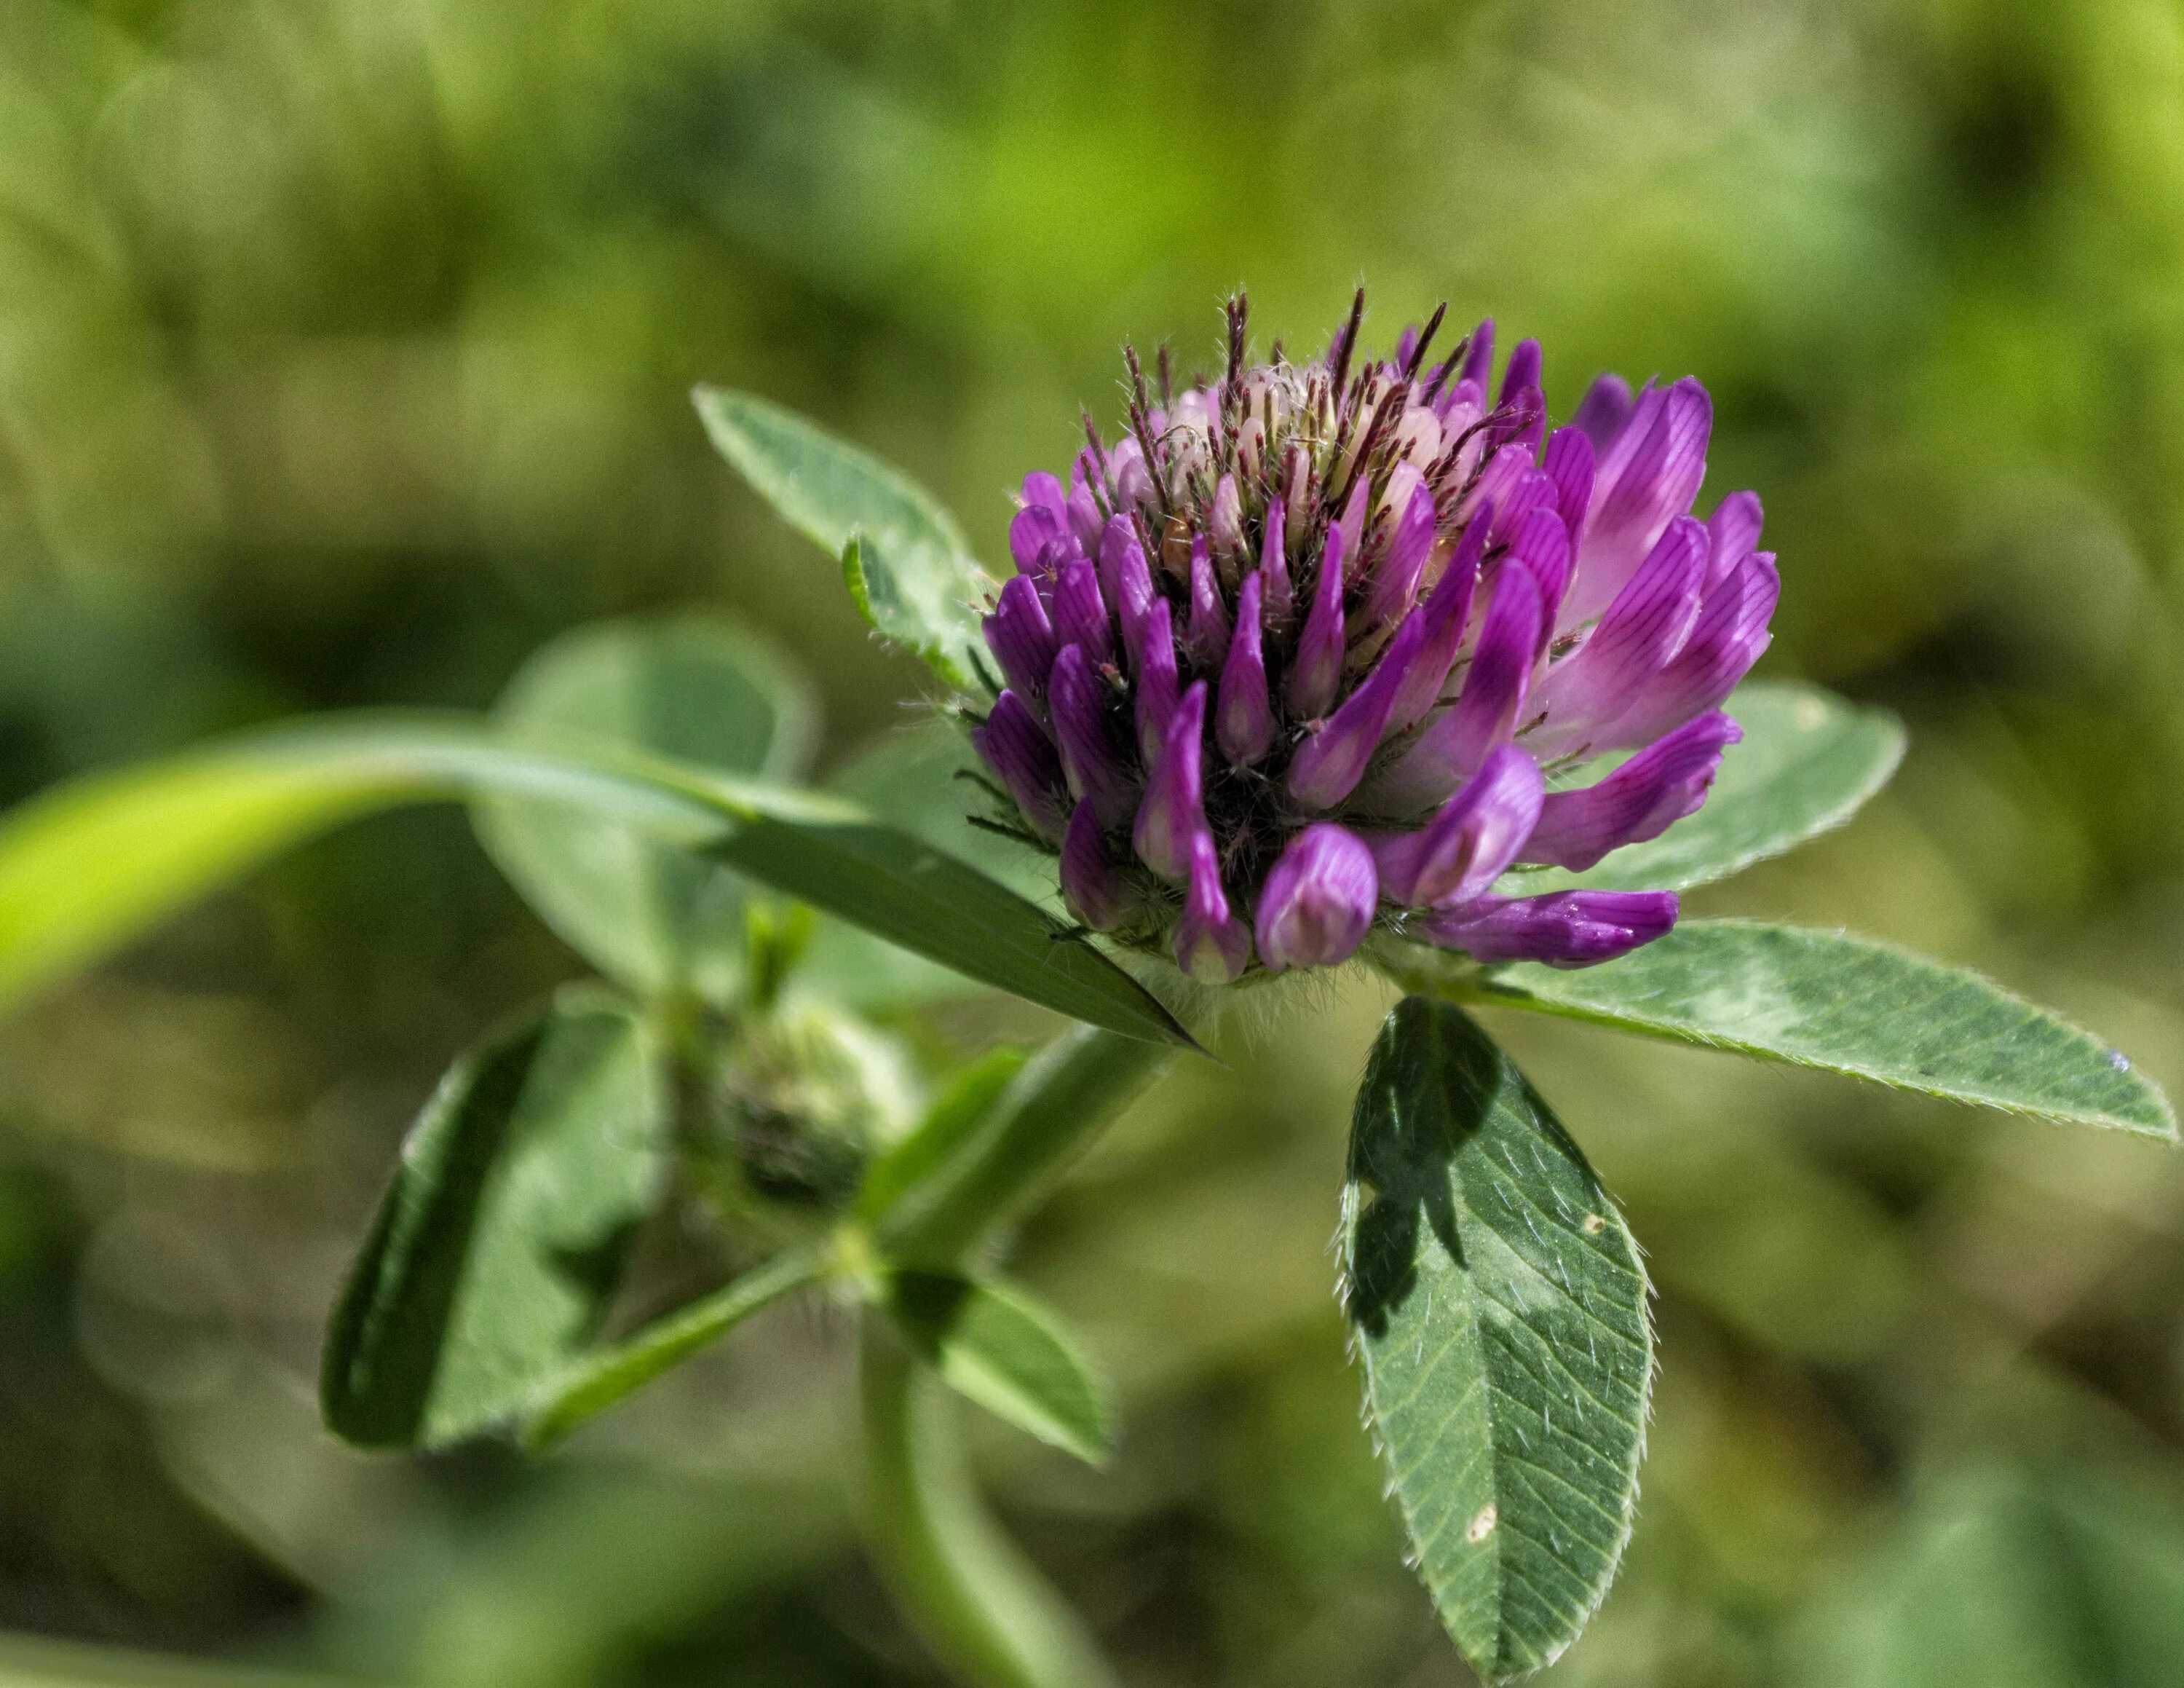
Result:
pixel 1849 1005
pixel 916 778
pixel 982 1179
pixel 41 1662
pixel 504 1233
pixel 589 1383
pixel 657 919
pixel 88 866
pixel 906 564
pixel 998 1347
pixel 958 1111
pixel 1500 1310
pixel 2011 1577
pixel 1809 761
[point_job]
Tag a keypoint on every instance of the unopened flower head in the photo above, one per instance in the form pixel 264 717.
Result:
pixel 1318 647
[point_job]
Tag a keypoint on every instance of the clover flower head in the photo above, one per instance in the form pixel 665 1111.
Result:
pixel 1317 648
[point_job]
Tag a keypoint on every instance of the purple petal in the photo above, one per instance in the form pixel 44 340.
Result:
pixel 1094 888
pixel 1030 531
pixel 1157 680
pixel 1642 799
pixel 1603 411
pixel 1174 803
pixel 1054 556
pixel 1466 847
pixel 1084 730
pixel 1726 641
pixel 1080 613
pixel 1478 362
pixel 1533 489
pixel 1448 612
pixel 1563 929
pixel 1132 481
pixel 1212 945
pixel 1085 520
pixel 1318 903
pixel 1521 419
pixel 1733 532
pixel 1280 601
pixel 1498 480
pixel 1542 545
pixel 1316 672
pixel 1206 639
pixel 1524 370
pixel 1021 637
pixel 1647 625
pixel 1569 464
pixel 1043 491
pixel 1128 582
pixel 1486 710
pixel 1396 581
pixel 1244 716
pixel 1645 480
pixel 1327 766
pixel 1021 756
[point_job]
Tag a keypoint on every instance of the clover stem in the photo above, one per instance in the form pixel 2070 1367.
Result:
pixel 982 1606
pixel 985 1611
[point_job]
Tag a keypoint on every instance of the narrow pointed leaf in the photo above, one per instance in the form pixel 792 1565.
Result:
pixel 922 778
pixel 1809 761
pixel 588 1385
pixel 957 1113
pixel 657 919
pixel 905 562
pixel 504 1231
pixel 1500 1312
pixel 1850 1005
pixel 981 1180
pixel 93 863
pixel 998 1347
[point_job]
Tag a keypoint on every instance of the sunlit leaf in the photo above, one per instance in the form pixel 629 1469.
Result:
pixel 658 919
pixel 1500 1312
pixel 1850 1005
pixel 906 564
pixel 93 864
pixel 998 1347
pixel 504 1231
pixel 589 1383
pixel 1809 761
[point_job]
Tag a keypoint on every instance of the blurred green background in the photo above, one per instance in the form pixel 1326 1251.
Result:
pixel 344 354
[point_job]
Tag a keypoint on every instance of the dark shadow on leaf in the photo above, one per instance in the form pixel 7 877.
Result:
pixel 1429 1087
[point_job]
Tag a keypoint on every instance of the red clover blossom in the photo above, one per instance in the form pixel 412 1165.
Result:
pixel 1316 647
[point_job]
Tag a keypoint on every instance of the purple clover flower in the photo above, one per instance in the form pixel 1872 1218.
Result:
pixel 1315 648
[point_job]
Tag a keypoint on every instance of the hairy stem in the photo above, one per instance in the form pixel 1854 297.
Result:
pixel 980 1605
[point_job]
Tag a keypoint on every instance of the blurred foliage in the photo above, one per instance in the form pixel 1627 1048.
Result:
pixel 344 355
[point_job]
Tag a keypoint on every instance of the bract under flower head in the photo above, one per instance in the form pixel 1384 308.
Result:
pixel 1316 647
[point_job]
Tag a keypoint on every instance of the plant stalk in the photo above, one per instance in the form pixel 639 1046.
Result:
pixel 982 1606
